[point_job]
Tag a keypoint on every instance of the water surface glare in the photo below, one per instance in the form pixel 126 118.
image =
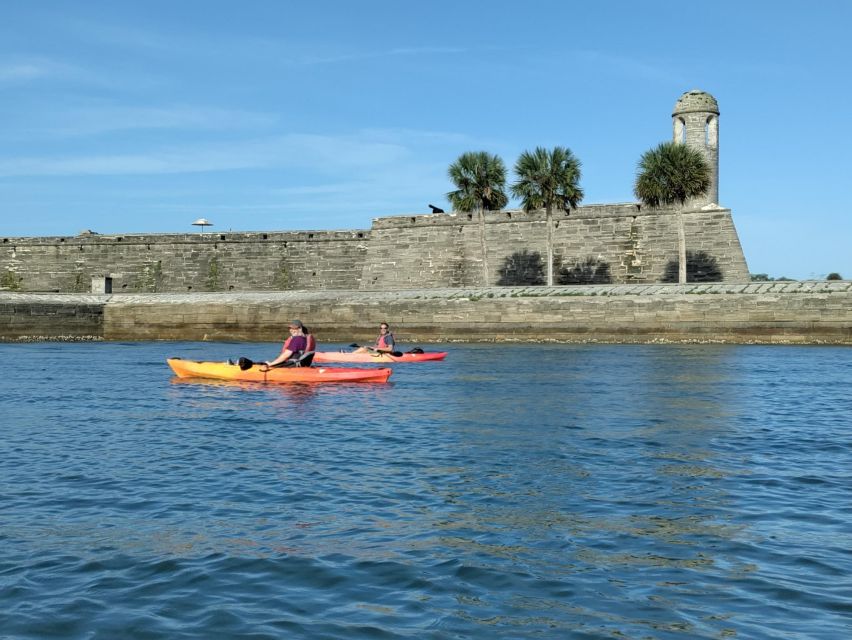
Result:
pixel 559 491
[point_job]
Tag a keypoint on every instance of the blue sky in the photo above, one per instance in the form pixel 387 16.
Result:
pixel 126 117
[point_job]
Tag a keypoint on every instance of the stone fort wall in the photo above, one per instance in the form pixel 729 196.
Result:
pixel 185 262
pixel 599 244
pixel 619 243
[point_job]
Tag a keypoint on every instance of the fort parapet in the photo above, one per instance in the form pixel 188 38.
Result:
pixel 616 243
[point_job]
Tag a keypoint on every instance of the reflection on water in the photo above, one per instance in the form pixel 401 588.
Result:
pixel 510 491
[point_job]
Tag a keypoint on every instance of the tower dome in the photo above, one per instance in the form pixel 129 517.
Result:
pixel 696 101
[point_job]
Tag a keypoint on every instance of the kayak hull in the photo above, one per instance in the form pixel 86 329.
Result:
pixel 334 356
pixel 310 375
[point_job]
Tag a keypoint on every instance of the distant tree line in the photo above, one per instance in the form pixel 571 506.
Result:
pixel 762 277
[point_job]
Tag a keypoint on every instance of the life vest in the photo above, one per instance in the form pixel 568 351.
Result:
pixel 381 341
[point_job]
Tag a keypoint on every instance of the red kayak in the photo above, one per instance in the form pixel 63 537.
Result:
pixel 226 371
pixel 349 356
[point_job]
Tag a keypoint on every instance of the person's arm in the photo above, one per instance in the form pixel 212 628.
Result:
pixel 284 355
pixel 286 352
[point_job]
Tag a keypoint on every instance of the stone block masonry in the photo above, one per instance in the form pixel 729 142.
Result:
pixel 38 317
pixel 153 263
pixel 769 313
pixel 623 243
pixel 619 243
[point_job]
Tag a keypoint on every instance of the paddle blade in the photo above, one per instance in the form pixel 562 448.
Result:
pixel 245 363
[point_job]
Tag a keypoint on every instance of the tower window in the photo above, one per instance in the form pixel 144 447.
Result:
pixel 711 132
pixel 680 130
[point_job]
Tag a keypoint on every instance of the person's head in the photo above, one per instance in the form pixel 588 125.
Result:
pixel 297 327
pixel 384 328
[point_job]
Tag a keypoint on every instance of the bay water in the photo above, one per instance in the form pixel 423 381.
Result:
pixel 511 491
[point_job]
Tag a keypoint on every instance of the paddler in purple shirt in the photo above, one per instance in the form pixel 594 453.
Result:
pixel 294 346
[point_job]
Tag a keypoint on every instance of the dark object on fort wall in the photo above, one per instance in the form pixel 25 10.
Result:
pixel 700 267
pixel 522 268
pixel 588 271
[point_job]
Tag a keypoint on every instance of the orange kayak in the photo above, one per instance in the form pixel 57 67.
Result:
pixel 348 356
pixel 225 371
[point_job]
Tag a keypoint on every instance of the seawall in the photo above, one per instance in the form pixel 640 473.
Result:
pixel 782 312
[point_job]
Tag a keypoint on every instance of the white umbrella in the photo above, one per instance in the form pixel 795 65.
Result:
pixel 203 222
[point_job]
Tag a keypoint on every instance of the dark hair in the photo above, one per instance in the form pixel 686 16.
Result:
pixel 305 330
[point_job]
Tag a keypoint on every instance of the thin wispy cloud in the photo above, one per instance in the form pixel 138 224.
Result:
pixel 25 69
pixel 120 36
pixel 56 74
pixel 632 67
pixel 99 120
pixel 317 59
pixel 21 71
pixel 317 152
pixel 282 51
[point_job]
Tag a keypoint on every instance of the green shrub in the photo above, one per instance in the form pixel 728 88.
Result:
pixel 9 281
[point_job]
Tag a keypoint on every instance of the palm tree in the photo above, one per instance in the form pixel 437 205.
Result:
pixel 548 179
pixel 480 180
pixel 671 174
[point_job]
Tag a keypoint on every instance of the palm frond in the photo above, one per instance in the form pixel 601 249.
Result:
pixel 671 173
pixel 548 179
pixel 480 180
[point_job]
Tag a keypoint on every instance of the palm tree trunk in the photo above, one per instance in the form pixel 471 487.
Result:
pixel 549 220
pixel 681 248
pixel 483 248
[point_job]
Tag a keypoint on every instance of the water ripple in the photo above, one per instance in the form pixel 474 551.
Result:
pixel 553 491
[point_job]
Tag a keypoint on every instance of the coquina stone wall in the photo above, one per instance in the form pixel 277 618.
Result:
pixel 186 262
pixel 597 244
pixel 46 317
pixel 794 312
pixel 593 244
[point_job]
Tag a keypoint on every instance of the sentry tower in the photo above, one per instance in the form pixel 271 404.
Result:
pixel 695 122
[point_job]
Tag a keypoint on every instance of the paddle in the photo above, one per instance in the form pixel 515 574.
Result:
pixel 304 360
pixel 378 353
pixel 246 364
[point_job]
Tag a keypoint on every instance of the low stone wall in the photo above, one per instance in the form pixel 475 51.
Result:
pixel 796 312
pixel 35 317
